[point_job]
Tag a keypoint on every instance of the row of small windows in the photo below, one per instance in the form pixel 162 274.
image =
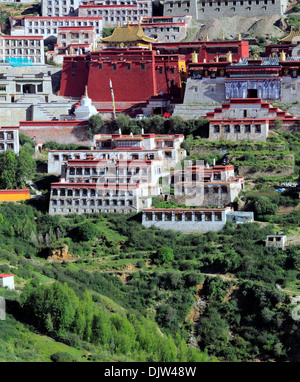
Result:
pixel 188 216
pixel 9 146
pixel 242 2
pixel 117 12
pixel 92 192
pixel 6 136
pixel 207 190
pixel 237 129
pixel 103 171
pixel 92 203
pixel 114 67
pixel 225 3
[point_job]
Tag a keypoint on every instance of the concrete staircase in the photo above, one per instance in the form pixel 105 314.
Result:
pixel 193 111
pixel 40 113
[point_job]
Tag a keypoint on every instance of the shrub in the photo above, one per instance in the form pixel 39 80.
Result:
pixel 62 356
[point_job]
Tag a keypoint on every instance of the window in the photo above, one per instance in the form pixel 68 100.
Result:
pixel 218 216
pixel 114 67
pixel 128 67
pixel 227 129
pixel 208 217
pixel 257 128
pixel 142 66
pixel 247 129
pixel 237 128
pixel 216 128
pixel 160 70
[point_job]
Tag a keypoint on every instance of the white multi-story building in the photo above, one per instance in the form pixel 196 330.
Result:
pixel 48 27
pixel 57 8
pixel 116 12
pixel 166 148
pixel 121 175
pixel 9 139
pixel 75 40
pixel 18 48
pixel 166 29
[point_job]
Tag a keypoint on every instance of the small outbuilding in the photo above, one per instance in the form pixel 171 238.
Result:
pixel 277 241
pixel 7 281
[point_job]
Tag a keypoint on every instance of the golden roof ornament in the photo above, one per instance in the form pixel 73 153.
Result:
pixel 255 56
pixel 206 38
pixel 223 37
pixel 217 58
pixel 239 37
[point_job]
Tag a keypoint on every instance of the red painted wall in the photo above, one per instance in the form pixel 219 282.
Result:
pixel 128 85
pixel 74 79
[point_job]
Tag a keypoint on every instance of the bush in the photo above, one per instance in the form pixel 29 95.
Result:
pixel 164 255
pixel 62 356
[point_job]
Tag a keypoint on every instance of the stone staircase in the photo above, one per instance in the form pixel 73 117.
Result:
pixel 40 113
pixel 193 111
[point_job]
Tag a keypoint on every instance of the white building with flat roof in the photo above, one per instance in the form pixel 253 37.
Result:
pixel 9 139
pixel 16 49
pixel 48 27
pixel 7 281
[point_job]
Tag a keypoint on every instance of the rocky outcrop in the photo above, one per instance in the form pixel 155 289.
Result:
pixel 60 254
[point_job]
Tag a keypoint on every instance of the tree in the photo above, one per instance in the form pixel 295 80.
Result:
pixel 26 168
pixel 164 256
pixel 85 231
pixel 8 170
pixel 264 206
pixel 94 125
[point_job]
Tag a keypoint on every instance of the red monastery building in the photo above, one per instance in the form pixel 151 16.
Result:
pixel 139 69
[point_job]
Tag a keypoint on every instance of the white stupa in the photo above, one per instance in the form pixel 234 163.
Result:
pixel 86 109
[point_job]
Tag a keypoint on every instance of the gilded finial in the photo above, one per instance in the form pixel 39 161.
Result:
pixel 86 92
pixel 223 37
pixel 239 37
pixel 206 38
pixel 217 58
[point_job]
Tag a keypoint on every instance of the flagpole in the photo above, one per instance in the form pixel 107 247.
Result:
pixel 113 98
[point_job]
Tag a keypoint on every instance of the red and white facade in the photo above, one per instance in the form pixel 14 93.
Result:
pixel 121 176
pixel 74 40
pixel 201 186
pixel 48 27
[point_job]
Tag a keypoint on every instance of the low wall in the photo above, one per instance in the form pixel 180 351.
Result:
pixel 14 195
pixel 61 132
